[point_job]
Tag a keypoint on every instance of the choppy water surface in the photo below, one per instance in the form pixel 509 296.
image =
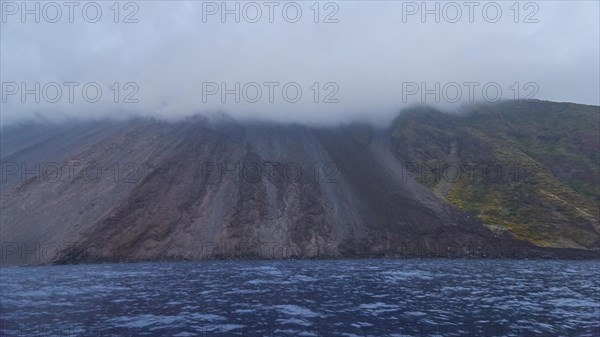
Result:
pixel 304 298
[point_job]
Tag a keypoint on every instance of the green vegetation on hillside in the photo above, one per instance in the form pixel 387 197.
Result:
pixel 530 168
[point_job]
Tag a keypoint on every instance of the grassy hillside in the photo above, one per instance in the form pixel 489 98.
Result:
pixel 529 168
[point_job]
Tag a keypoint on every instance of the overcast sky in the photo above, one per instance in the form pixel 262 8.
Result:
pixel 369 60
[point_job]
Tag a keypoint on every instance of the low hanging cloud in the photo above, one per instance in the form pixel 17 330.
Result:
pixel 313 63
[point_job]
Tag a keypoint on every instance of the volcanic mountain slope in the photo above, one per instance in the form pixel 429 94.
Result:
pixel 532 169
pixel 146 189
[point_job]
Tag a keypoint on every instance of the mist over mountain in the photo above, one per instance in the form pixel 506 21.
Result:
pixel 299 63
pixel 502 180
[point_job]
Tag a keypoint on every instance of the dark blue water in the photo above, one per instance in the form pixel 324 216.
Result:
pixel 304 298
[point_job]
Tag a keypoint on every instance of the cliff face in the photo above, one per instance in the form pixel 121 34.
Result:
pixel 198 189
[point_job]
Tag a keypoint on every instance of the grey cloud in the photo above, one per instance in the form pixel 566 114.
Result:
pixel 368 55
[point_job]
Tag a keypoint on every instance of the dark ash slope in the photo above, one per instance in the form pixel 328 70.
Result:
pixel 200 189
